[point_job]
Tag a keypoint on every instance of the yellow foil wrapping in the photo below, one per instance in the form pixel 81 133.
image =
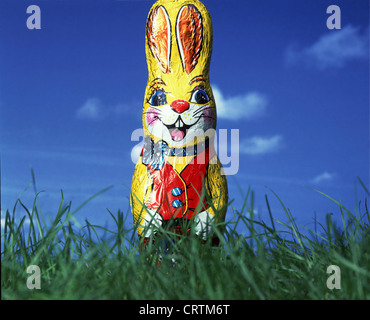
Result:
pixel 178 175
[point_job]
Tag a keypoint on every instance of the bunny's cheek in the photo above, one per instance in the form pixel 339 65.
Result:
pixel 151 117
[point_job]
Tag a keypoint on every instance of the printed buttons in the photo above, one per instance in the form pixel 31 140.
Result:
pixel 176 192
pixel 177 204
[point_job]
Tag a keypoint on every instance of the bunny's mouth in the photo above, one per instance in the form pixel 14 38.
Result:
pixel 178 129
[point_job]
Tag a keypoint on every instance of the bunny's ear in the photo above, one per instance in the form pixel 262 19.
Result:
pixel 189 33
pixel 158 32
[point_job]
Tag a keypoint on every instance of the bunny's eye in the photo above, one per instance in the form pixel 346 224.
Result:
pixel 199 96
pixel 158 98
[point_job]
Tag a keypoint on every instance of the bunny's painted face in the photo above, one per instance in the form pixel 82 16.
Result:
pixel 179 121
pixel 179 104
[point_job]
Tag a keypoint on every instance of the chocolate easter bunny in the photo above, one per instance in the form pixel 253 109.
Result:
pixel 178 175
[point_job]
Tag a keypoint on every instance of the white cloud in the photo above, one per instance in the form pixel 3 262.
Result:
pixel 333 49
pixel 261 145
pixel 326 176
pixel 92 109
pixel 247 106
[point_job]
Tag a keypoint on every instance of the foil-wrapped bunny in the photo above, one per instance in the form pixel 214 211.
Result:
pixel 178 175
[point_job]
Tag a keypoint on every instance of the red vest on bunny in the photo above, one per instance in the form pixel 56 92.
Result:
pixel 180 195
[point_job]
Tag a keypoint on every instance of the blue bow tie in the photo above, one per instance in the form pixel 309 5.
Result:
pixel 154 153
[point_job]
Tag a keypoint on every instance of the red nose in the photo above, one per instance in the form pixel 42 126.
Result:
pixel 180 106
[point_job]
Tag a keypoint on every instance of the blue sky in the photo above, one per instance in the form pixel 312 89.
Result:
pixel 71 95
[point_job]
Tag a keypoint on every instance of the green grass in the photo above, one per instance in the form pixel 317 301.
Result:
pixel 275 261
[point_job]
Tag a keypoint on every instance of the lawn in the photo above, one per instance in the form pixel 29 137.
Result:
pixel 276 260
